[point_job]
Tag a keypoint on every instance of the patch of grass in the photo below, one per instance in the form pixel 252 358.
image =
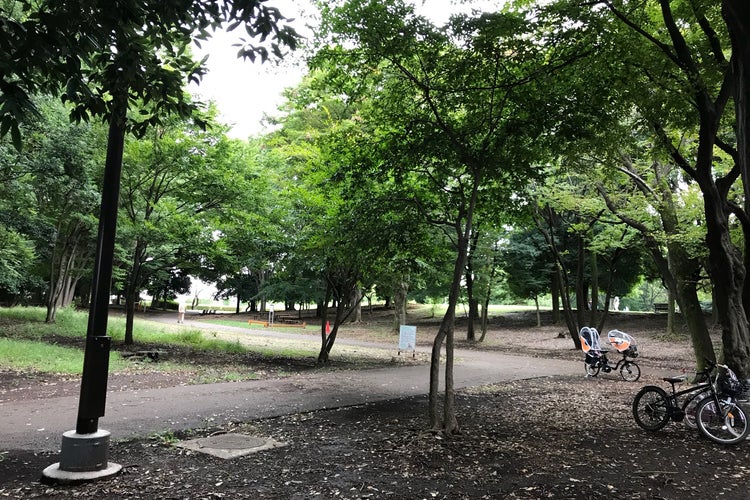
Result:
pixel 198 340
pixel 235 323
pixel 29 354
pixel 255 326
pixel 24 340
pixel 166 438
pixel 28 323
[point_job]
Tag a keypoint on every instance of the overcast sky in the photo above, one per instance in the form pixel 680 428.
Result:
pixel 245 91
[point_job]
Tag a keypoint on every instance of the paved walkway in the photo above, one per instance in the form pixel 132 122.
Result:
pixel 38 425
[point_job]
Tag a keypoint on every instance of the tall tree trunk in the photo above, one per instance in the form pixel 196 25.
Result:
pixel 472 300
pixel 736 333
pixel 488 293
pixel 132 288
pixel 594 314
pixel 324 322
pixel 545 223
pixel 54 283
pixel 400 294
pixel 555 286
pixel 448 423
pixel 473 309
pixel 357 304
pixel 484 320
pixel 581 295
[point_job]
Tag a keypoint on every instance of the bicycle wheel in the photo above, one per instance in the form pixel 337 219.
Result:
pixel 651 408
pixel 725 423
pixel 630 372
pixel 691 409
pixel 591 370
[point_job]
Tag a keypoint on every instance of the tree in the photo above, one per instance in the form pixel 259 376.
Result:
pixel 346 231
pixel 65 158
pixel 16 259
pixel 52 187
pixel 677 246
pixel 674 50
pixel 107 56
pixel 679 50
pixel 177 183
pixel 529 267
pixel 450 123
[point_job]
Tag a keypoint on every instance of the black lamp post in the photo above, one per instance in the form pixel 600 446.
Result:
pixel 85 451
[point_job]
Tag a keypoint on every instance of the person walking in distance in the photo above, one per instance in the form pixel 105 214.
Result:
pixel 181 311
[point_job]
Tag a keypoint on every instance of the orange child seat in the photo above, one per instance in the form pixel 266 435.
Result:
pixel 590 344
pixel 623 342
pixel 590 340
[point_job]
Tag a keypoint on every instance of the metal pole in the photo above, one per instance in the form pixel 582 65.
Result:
pixel 96 358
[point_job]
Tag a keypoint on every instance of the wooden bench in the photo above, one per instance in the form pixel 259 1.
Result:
pixel 208 311
pixel 661 307
pixel 286 320
pixel 290 324
pixel 257 322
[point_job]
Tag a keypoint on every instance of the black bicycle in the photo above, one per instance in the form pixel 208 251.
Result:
pixel 629 370
pixel 710 406
pixel 596 358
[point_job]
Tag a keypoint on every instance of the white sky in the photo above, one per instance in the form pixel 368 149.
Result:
pixel 245 91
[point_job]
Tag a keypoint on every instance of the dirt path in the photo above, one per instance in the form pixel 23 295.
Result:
pixel 39 424
pixel 542 431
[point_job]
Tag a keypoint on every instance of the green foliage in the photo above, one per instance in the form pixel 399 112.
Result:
pixel 528 265
pixel 166 438
pixel 16 260
pixel 96 54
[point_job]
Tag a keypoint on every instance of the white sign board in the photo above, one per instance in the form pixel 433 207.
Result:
pixel 407 339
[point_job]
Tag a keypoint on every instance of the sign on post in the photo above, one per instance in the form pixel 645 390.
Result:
pixel 407 340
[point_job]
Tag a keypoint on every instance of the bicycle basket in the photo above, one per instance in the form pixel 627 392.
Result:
pixel 631 351
pixel 728 383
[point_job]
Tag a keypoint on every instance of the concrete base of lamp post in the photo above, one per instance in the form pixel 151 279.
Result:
pixel 83 458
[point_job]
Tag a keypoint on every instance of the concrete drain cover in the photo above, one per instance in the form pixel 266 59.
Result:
pixel 230 445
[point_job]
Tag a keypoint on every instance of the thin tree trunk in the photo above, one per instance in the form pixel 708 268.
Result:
pixel 594 267
pixel 555 298
pixel 357 301
pixel 400 294
pixel 545 225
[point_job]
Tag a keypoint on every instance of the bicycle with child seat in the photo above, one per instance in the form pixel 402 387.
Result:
pixel 710 405
pixel 629 370
pixel 596 357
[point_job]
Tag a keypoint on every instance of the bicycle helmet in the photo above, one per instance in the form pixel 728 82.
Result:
pixel 728 383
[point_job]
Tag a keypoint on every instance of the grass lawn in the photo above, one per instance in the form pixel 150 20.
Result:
pixel 27 343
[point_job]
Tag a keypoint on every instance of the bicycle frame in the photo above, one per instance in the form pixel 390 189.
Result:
pixel 676 411
pixel 605 364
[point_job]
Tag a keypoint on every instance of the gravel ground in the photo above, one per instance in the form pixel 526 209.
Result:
pixel 561 437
